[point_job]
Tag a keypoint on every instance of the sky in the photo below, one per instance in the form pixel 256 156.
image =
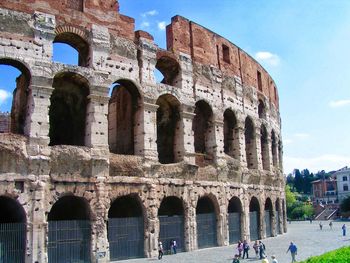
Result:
pixel 304 45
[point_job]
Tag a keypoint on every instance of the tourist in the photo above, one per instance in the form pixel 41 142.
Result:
pixel 245 248
pixel 256 248
pixel 344 230
pixel 274 260
pixel 236 259
pixel 321 226
pixel 262 249
pixel 264 259
pixel 293 251
pixel 174 245
pixel 160 250
pixel 331 225
pixel 240 248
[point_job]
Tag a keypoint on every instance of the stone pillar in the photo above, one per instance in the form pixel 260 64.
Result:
pixel 37 122
pixel 185 76
pixel 263 223
pixel 96 130
pixel 273 221
pixel 39 226
pixel 223 237
pixel 219 144
pixel 188 140
pixel 246 218
pixel 258 159
pixel 147 58
pixel 284 219
pixel 241 142
pixel 152 224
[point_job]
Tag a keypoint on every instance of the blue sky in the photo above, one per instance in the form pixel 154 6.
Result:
pixel 305 45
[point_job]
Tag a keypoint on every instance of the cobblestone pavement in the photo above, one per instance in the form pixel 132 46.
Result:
pixel 309 239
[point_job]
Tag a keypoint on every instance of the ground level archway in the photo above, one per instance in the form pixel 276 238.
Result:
pixel 268 217
pixel 206 223
pixel 254 219
pixel 235 220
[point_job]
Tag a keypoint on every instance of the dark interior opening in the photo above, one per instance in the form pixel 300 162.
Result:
pixel 261 110
pixel 125 206
pixel 67 111
pixel 11 211
pixel 235 205
pixel 264 148
pixel 70 208
pixel 169 68
pixel 200 126
pixel 249 142
pixel 171 206
pixel 230 123
pixel 168 116
pixel 205 205
pixel 254 205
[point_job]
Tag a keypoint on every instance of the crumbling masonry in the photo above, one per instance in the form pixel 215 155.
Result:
pixel 102 161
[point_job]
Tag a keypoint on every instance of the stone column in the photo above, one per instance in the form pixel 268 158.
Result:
pixel 219 153
pixel 246 218
pixel 37 122
pixel 273 221
pixel 188 140
pixel 262 230
pixel 96 129
pixel 241 142
pixel 147 58
pixel 258 159
pixel 152 224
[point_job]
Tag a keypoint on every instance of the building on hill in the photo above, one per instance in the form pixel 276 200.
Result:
pixel 324 191
pixel 90 177
pixel 343 182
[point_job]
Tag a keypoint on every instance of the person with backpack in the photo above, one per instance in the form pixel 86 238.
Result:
pixel 160 250
pixel 293 251
pixel 174 244
pixel 262 249
pixel 256 248
pixel 240 248
pixel 245 248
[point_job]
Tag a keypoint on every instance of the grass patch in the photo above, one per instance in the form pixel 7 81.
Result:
pixel 341 255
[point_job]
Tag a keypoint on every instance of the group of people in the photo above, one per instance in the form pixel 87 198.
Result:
pixel 173 247
pixel 260 251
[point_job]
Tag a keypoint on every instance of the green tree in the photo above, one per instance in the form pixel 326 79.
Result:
pixel 345 205
pixel 298 180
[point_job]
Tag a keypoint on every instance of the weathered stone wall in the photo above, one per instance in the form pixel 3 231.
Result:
pixel 37 175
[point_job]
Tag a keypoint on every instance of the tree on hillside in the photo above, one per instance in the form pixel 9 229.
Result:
pixel 298 180
pixel 345 205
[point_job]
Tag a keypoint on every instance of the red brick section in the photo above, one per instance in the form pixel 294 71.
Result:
pixel 143 34
pixel 100 12
pixel 206 47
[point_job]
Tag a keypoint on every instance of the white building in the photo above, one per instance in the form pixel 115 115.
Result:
pixel 343 183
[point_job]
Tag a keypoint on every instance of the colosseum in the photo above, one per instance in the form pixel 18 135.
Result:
pixel 102 161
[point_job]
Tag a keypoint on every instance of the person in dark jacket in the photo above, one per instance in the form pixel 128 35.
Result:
pixel 245 248
pixel 293 251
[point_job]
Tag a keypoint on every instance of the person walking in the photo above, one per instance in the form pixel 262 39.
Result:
pixel 236 259
pixel 240 248
pixel 174 246
pixel 321 226
pixel 262 249
pixel 274 260
pixel 264 259
pixel 331 225
pixel 293 251
pixel 245 248
pixel 344 230
pixel 256 248
pixel 160 250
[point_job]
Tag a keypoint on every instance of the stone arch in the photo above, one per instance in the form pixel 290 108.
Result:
pixel 168 65
pixel 268 217
pixel 68 108
pixel 171 215
pixel 19 115
pixel 235 219
pixel 12 230
pixel 250 144
pixel 254 218
pixel 280 154
pixel 203 128
pixel 123 117
pixel 264 148
pixel 207 211
pixel 126 228
pixel 277 217
pixel 69 224
pixel 169 129
pixel 261 110
pixel 274 148
pixel 231 140
pixel 77 39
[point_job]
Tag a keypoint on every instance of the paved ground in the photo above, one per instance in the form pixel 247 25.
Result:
pixel 309 239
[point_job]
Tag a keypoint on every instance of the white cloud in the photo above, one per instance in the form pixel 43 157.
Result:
pixel 339 103
pixel 302 135
pixel 161 25
pixel 150 13
pixel 269 58
pixel 287 141
pixel 4 95
pixel 327 162
pixel 145 24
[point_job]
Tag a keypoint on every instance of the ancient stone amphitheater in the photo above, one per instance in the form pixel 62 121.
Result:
pixel 102 161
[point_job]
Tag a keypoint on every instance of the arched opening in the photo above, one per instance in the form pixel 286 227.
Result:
pixel 264 148
pixel 12 231
pixel 70 48
pixel 268 217
pixel 206 223
pixel 231 143
pixel 274 148
pixel 250 149
pixel 284 216
pixel 202 127
pixel 169 69
pixel 280 154
pixel 261 110
pixel 254 219
pixel 171 223
pixel 235 220
pixel 14 90
pixel 67 111
pixel 126 228
pixel 123 117
pixel 278 213
pixel 69 235
pixel 168 129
